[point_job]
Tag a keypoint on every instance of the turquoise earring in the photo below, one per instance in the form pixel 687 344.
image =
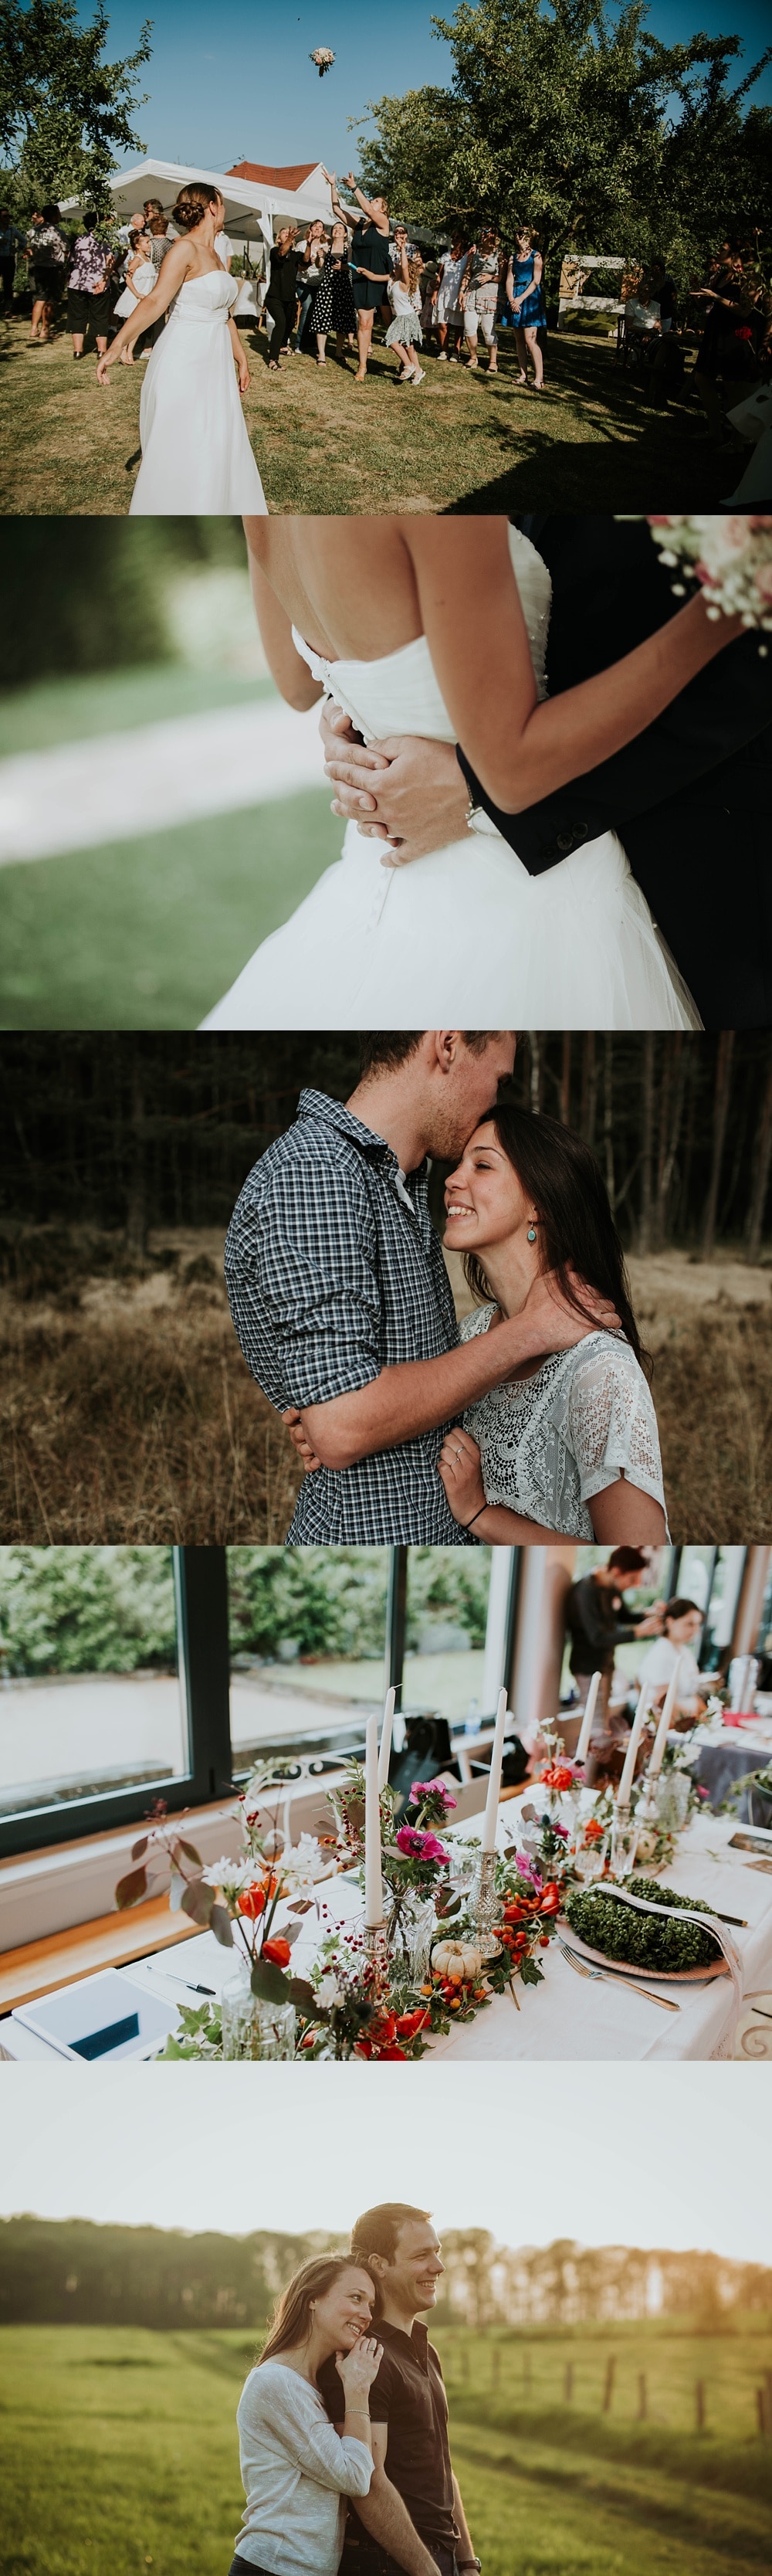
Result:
pixel 531 1237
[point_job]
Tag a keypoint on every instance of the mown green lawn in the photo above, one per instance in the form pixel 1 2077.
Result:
pixel 147 932
pixel 119 2454
pixel 324 444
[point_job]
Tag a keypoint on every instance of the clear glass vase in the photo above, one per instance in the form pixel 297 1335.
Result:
pixel 412 1927
pixel 673 1793
pixel 251 2026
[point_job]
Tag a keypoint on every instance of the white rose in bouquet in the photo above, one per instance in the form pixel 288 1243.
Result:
pixel 731 558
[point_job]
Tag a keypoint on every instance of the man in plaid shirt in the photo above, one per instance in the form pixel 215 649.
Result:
pixel 341 1300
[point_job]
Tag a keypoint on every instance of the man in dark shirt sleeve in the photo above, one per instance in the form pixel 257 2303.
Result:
pixel 688 797
pixel 413 2518
pixel 598 1620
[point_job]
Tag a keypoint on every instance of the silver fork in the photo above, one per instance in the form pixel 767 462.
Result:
pixel 608 1978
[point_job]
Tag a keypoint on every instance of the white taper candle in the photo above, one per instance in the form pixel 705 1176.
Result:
pixel 663 1729
pixel 585 1732
pixel 494 1777
pixel 373 1869
pixel 385 1751
pixel 636 1731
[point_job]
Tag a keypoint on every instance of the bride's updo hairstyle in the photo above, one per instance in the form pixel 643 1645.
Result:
pixel 577 1235
pixel 291 2321
pixel 193 204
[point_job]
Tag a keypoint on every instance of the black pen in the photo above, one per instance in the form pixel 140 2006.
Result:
pixel 182 1981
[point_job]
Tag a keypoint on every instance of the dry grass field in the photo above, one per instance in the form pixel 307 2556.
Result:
pixel 127 1413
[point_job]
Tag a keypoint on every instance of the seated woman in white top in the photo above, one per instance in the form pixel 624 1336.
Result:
pixel 682 1622
pixel 296 2470
pixel 570 1443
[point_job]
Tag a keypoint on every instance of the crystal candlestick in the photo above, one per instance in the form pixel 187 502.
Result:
pixel 485 1905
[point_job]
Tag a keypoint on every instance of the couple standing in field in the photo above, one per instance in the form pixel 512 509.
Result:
pixel 346 2408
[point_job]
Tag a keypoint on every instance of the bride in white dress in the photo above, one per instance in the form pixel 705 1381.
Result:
pixel 438 627
pixel 196 455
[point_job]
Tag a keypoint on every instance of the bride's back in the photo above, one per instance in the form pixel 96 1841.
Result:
pixel 347 584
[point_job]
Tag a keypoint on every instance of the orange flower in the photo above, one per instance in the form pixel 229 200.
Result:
pixel 252 1901
pixel 550 1900
pixel 277 1951
pixel 594 1830
pixel 408 2023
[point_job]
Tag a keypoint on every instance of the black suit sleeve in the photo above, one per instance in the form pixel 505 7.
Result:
pixel 723 710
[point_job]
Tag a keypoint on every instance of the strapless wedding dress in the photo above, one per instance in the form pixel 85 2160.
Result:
pixel 465 935
pixel 196 455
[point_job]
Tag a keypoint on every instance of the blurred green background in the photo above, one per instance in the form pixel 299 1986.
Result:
pixel 111 625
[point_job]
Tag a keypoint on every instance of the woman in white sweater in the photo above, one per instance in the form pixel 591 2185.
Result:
pixel 296 2470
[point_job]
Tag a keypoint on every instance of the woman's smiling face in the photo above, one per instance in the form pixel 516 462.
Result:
pixel 485 1202
pixel 346 2310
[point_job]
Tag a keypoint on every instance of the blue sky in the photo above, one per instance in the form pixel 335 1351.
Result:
pixel 233 81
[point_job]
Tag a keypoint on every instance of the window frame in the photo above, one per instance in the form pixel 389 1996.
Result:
pixel 201 1602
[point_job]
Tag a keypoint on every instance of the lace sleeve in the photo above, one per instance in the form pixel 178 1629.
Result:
pixel 612 1422
pixel 477 1322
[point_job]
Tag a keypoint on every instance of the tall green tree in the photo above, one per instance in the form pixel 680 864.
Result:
pixel 64 111
pixel 567 118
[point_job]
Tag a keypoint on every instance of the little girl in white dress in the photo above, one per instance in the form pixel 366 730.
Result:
pixel 405 333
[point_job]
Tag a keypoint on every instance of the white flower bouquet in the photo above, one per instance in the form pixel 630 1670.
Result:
pixel 731 558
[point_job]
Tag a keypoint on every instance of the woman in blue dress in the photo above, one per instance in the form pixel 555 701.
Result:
pixel 525 293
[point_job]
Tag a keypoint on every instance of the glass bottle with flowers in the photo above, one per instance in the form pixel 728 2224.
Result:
pixel 237 1898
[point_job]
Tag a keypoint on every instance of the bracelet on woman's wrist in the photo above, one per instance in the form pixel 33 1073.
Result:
pixel 467 1525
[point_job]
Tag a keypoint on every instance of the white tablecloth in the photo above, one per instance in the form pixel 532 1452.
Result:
pixel 566 2017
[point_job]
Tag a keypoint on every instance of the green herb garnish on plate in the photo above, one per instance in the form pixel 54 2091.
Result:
pixel 642 1940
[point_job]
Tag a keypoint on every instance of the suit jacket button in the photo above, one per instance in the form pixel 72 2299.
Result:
pixel 565 842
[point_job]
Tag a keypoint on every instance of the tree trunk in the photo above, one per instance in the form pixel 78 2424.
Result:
pixel 720 1114
pixel 762 1154
pixel 608 1118
pixel 670 1139
pixel 136 1195
pixel 647 1144
pixel 565 1080
pixel 589 1086
pixel 536 1071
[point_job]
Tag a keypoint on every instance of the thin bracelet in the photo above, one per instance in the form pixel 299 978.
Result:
pixel 467 1525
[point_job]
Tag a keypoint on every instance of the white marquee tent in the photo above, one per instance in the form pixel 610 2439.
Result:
pixel 250 204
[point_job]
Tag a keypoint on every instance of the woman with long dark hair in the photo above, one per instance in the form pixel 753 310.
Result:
pixel 196 454
pixel 570 1442
pixel 296 2470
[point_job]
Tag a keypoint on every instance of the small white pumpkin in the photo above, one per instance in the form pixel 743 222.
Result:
pixel 457 1961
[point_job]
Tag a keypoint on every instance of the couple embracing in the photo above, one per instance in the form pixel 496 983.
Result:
pixel 535 1416
pixel 556 780
pixel 347 2406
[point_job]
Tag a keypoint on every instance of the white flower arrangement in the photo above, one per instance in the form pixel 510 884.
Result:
pixel 731 558
pixel 323 57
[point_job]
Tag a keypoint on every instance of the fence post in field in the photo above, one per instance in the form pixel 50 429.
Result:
pixel 642 2398
pixel 699 2400
pixel 608 2385
pixel 568 2383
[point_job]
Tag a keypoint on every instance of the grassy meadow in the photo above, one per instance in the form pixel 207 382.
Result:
pixel 120 2451
pixel 323 444
pixel 127 1414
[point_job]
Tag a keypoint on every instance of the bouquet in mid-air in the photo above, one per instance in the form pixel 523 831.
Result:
pixel 731 558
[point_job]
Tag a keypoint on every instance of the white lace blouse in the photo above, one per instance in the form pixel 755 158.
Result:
pixel 548 1443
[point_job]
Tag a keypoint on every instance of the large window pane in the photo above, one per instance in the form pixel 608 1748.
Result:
pixel 90 1699
pixel 447 1610
pixel 711 1577
pixel 307 1638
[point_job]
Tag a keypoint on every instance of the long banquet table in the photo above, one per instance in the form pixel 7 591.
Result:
pixel 566 2017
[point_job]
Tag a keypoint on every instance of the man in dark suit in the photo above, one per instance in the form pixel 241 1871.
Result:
pixel 689 797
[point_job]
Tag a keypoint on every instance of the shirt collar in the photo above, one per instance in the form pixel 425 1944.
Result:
pixel 333 1113
pixel 417 2341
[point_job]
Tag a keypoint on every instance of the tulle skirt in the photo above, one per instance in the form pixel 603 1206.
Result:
pixel 466 936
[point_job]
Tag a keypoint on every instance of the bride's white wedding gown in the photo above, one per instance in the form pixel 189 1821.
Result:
pixel 466 933
pixel 196 455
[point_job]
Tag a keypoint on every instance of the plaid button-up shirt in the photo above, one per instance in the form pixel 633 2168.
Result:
pixel 332 1277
